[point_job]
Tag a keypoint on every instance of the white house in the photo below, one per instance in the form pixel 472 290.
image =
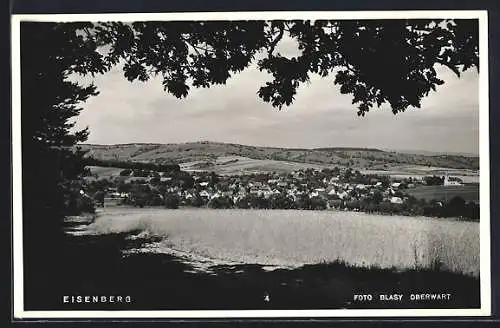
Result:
pixel 342 195
pixel 334 179
pixel 204 194
pixel 396 200
pixel 313 194
pixel 452 181
pixel 216 195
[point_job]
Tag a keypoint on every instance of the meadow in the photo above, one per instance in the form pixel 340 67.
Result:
pixel 292 238
pixel 469 192
pixel 199 259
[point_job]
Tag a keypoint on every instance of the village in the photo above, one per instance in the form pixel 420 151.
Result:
pixel 307 189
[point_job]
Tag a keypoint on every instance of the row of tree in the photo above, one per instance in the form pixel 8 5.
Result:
pixel 142 195
pixel 91 161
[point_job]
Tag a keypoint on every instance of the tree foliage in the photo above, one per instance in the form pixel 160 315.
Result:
pixel 49 54
pixel 375 61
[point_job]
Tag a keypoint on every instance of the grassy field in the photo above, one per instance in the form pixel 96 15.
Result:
pixel 105 172
pixel 234 165
pixel 95 265
pixel 469 192
pixel 287 238
pixel 235 259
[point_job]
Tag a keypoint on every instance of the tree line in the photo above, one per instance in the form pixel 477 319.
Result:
pixel 145 195
pixel 91 161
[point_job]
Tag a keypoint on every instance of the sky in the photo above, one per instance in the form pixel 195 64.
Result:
pixel 129 112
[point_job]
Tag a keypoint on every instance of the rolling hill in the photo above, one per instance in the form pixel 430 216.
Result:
pixel 206 155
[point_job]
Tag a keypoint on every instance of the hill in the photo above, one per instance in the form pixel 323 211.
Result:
pixel 205 154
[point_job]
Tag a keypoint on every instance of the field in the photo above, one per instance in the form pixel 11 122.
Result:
pixel 469 192
pixel 107 172
pixel 234 165
pixel 419 172
pixel 215 260
pixel 290 239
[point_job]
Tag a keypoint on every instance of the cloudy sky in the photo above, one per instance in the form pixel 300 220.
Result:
pixel 321 116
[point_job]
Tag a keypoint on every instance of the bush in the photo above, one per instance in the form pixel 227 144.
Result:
pixel 172 201
pixel 85 205
pixel 318 203
pixel 434 180
pixel 125 173
pixel 280 201
pixel 221 202
pixel 138 199
pixel 99 198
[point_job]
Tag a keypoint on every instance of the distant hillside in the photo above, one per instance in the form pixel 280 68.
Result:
pixel 432 153
pixel 205 151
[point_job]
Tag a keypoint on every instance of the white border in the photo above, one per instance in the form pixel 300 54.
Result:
pixel 485 274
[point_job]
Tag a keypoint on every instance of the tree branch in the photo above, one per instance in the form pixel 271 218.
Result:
pixel 195 47
pixel 275 41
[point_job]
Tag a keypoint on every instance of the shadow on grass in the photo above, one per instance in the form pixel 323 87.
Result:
pixel 96 266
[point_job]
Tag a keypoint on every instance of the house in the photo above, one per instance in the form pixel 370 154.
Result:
pixel 203 184
pixel 204 194
pixel 342 194
pixel 216 195
pixel 320 191
pixel 396 184
pixel 452 181
pixel 396 200
pixel 335 203
pixel 334 179
pixel 313 194
pixel 266 193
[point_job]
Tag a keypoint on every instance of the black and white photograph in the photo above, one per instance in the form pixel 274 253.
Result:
pixel 264 164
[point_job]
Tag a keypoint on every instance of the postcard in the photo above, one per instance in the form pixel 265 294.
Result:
pixel 251 165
